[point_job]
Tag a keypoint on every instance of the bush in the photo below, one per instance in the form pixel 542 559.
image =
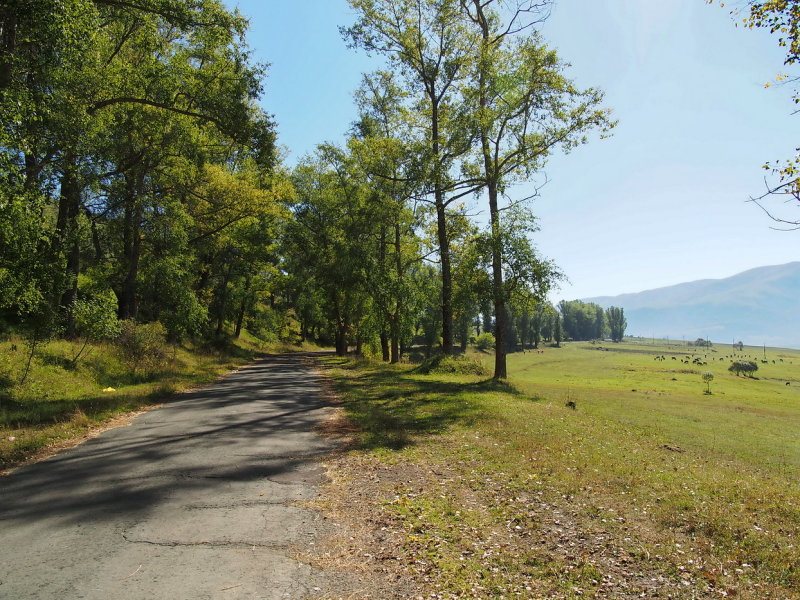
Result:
pixel 95 320
pixel 452 364
pixel 748 367
pixel 485 341
pixel 143 347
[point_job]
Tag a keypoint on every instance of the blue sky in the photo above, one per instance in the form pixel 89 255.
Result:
pixel 661 202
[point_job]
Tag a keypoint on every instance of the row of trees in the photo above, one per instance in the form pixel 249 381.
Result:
pixel 139 178
pixel 482 103
pixel 135 165
pixel 588 321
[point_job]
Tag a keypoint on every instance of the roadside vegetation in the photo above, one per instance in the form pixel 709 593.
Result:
pixel 48 401
pixel 602 472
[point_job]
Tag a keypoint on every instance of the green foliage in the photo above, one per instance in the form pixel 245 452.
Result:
pixel 748 367
pixel 143 347
pixel 582 320
pixel 484 341
pixel 708 377
pixel 96 318
pixel 130 144
pixel 459 364
pixel 615 317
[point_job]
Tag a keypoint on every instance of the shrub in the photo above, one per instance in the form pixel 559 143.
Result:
pixel 95 320
pixel 748 367
pixel 708 377
pixel 143 347
pixel 485 341
pixel 452 364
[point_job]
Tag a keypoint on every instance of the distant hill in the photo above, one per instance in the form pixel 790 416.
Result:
pixel 759 306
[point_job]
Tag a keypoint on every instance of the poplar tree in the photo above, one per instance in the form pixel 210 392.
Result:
pixel 429 47
pixel 522 108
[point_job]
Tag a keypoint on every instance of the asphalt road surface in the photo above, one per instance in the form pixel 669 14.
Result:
pixel 194 500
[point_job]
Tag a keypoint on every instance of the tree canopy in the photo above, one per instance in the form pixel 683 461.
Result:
pixel 141 182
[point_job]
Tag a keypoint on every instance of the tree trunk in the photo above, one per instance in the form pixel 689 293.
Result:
pixel 441 230
pixel 68 240
pixel 129 305
pixel 398 306
pixel 240 319
pixel 132 249
pixel 223 300
pixel 500 326
pixel 242 312
pixel 382 297
pixel 447 278
pixel 342 326
pixel 341 340
pixel 492 178
pixel 385 355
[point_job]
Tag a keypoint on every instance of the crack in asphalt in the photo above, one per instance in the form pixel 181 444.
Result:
pixel 207 544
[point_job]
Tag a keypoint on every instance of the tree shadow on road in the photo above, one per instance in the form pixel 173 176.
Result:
pixel 254 425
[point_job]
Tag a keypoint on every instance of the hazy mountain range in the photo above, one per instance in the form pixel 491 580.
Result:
pixel 759 306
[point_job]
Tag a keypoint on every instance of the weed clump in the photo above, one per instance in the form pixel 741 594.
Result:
pixel 460 365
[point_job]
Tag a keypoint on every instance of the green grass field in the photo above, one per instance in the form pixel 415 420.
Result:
pixel 754 420
pixel 649 488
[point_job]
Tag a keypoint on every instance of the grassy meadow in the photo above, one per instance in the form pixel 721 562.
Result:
pixel 648 488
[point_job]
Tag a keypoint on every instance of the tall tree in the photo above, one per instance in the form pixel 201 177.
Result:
pixel 617 323
pixel 428 45
pixel 390 166
pixel 332 230
pixel 523 109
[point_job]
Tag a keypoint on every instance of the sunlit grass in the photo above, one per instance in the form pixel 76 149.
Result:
pixel 666 489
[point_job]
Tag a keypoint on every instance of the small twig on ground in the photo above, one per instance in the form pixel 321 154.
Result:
pixel 132 574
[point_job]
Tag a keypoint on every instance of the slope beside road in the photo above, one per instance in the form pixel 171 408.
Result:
pixel 197 499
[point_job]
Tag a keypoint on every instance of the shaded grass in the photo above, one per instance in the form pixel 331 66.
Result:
pixel 392 405
pixel 660 492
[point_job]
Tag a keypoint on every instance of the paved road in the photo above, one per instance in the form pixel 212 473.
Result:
pixel 193 500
